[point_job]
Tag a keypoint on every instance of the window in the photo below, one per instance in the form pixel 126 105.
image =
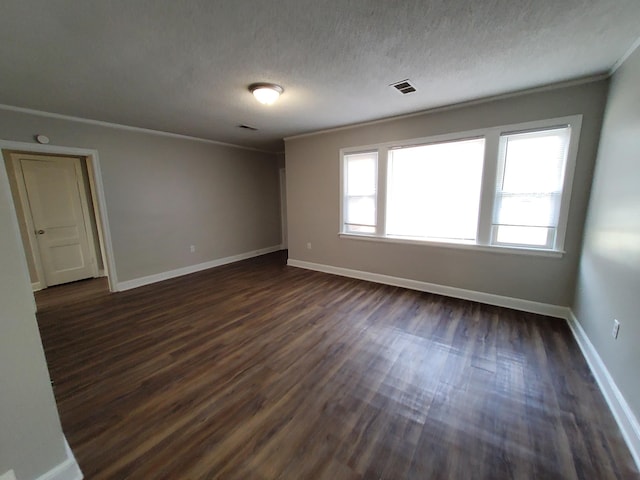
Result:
pixel 529 187
pixel 360 185
pixel 504 187
pixel 434 190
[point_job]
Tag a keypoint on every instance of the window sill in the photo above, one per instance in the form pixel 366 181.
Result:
pixel 537 252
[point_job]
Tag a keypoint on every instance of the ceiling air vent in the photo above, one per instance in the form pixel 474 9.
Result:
pixel 404 86
pixel 248 127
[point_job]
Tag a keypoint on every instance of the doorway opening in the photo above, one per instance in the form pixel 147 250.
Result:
pixel 59 203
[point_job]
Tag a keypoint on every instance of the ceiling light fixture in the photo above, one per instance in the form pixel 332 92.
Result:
pixel 266 93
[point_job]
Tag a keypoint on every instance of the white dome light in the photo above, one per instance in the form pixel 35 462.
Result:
pixel 266 93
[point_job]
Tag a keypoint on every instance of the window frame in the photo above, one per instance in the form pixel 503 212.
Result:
pixel 490 169
pixel 552 234
pixel 344 193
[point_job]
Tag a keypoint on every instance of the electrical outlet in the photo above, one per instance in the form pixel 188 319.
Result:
pixel 308 245
pixel 616 329
pixel 192 248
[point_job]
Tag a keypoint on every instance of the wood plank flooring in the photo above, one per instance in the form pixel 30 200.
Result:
pixel 257 370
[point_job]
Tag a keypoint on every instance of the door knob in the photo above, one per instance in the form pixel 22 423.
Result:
pixel 40 232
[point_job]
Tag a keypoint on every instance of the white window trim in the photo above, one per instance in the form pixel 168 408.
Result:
pixel 343 183
pixel 488 187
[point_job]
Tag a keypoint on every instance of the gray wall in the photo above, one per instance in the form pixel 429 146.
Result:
pixel 31 439
pixel 608 284
pixel 164 194
pixel 313 198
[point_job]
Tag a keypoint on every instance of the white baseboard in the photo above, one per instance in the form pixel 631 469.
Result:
pixel 620 409
pixel 36 286
pixel 159 277
pixel 488 298
pixel 67 470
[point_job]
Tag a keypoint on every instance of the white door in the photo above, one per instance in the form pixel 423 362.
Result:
pixel 57 203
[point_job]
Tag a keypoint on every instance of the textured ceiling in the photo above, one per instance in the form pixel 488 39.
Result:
pixel 183 66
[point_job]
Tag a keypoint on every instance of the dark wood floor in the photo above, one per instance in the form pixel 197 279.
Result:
pixel 257 370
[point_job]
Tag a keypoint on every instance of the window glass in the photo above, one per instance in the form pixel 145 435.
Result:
pixel 529 187
pixel 434 190
pixel 360 198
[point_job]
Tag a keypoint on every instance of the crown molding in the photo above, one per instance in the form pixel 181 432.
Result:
pixel 624 57
pixel 129 128
pixel 544 88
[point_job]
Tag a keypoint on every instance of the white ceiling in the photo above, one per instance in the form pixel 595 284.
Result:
pixel 183 66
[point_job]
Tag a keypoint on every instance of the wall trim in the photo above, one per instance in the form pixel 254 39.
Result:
pixel 119 126
pixel 624 57
pixel 36 286
pixel 624 416
pixel 482 297
pixel 469 103
pixel 67 470
pixel 178 272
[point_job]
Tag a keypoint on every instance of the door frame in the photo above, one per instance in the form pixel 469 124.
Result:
pixel 97 194
pixel 28 214
pixel 282 177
